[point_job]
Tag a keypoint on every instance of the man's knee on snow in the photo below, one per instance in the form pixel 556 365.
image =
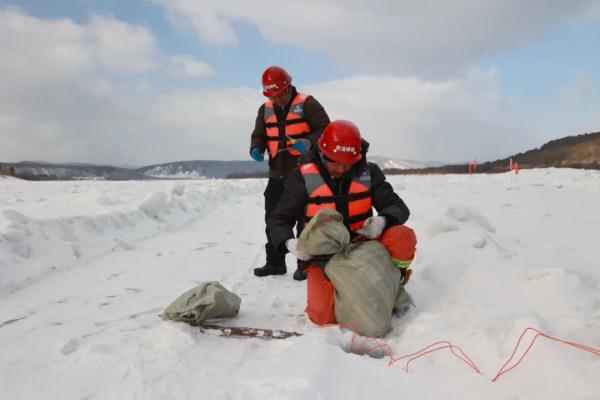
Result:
pixel 401 242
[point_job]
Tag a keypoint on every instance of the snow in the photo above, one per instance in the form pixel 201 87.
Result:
pixel 86 267
pixel 389 163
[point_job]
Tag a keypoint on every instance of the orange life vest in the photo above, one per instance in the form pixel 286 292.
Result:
pixel 294 126
pixel 358 199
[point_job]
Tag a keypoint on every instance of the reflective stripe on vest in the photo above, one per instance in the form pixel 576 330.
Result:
pixel 294 126
pixel 320 196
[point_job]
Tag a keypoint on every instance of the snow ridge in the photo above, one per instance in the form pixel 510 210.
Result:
pixel 67 242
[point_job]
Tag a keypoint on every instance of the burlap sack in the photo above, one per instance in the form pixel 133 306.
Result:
pixel 324 234
pixel 209 300
pixel 366 280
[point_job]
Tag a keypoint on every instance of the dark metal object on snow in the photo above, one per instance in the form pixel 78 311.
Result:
pixel 240 331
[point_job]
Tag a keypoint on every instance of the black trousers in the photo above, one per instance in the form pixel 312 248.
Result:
pixel 272 195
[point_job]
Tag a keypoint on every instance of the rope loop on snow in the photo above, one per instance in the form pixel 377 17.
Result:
pixel 539 333
pixel 387 350
pixel 455 350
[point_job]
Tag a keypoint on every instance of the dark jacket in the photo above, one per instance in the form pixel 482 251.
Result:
pixel 284 162
pixel 294 199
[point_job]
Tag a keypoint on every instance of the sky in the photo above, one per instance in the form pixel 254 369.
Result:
pixel 150 81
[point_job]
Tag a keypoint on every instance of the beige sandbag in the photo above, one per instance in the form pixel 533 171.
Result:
pixel 366 280
pixel 208 300
pixel 325 233
pixel 367 284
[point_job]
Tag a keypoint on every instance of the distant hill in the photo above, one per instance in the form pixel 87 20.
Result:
pixel 205 169
pixel 176 170
pixel 581 151
pixel 196 169
pixel 34 170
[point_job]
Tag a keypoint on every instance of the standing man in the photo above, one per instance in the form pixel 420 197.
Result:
pixel 287 126
pixel 338 176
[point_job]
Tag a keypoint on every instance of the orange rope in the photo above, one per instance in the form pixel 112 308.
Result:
pixel 432 348
pixel 462 356
pixel 457 351
pixel 387 351
pixel 503 371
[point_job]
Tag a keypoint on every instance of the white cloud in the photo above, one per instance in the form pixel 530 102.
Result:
pixel 42 50
pixel 409 118
pixel 120 47
pixel 39 51
pixel 58 103
pixel 61 95
pixel 187 66
pixel 426 38
pixel 213 27
pixel 48 51
pixel 406 118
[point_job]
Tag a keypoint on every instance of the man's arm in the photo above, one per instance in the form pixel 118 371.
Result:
pixel 289 209
pixel 385 200
pixel 259 135
pixel 317 118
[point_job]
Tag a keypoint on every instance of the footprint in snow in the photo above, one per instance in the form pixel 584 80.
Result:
pixel 204 246
pixel 69 347
pixel 12 321
pixel 113 276
pixel 479 243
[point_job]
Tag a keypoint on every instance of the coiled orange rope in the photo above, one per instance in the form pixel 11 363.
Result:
pixel 460 354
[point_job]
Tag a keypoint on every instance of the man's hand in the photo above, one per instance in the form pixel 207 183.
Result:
pixel 301 146
pixel 373 227
pixel 257 155
pixel 292 246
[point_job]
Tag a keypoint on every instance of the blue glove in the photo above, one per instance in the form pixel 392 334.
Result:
pixel 257 155
pixel 300 146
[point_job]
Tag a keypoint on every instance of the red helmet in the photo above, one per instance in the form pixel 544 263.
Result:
pixel 341 142
pixel 275 80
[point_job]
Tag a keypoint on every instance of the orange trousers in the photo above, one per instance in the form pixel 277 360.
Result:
pixel 399 240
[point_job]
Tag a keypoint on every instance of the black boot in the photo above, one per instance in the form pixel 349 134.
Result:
pixel 299 274
pixel 270 269
pixel 275 263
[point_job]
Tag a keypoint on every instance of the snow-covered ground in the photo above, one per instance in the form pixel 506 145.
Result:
pixel 87 267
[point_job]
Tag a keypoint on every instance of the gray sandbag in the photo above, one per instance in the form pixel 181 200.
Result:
pixel 208 300
pixel 367 285
pixel 366 280
pixel 325 233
